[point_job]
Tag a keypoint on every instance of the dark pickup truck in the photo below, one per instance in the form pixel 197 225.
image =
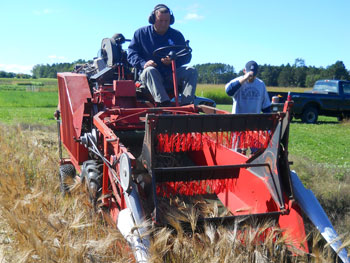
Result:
pixel 328 97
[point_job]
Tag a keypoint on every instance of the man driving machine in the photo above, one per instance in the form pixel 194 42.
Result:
pixel 156 70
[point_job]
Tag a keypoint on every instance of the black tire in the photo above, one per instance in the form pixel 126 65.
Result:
pixel 67 174
pixel 91 176
pixel 344 117
pixel 296 116
pixel 310 115
pixel 291 117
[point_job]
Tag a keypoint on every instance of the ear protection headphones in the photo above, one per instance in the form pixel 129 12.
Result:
pixel 152 17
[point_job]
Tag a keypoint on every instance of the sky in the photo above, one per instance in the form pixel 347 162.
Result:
pixel 272 32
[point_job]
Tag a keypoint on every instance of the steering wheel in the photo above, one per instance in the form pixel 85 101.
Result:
pixel 173 52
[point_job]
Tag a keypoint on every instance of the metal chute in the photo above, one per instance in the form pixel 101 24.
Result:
pixel 312 208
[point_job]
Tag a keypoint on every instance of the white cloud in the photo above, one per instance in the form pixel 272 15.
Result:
pixel 45 11
pixel 55 57
pixel 193 16
pixel 193 7
pixel 16 68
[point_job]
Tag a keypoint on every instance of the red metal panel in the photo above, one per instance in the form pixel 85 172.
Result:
pixel 73 93
pixel 124 88
pixel 112 148
pixel 247 194
pixel 293 225
pixel 125 93
pixel 78 91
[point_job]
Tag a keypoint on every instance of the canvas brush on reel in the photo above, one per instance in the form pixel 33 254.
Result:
pixel 177 133
pixel 194 141
pixel 214 146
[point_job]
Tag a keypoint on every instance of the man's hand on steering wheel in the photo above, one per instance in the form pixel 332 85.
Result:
pixel 150 63
pixel 168 53
pixel 166 60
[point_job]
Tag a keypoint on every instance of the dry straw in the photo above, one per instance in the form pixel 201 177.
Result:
pixel 43 226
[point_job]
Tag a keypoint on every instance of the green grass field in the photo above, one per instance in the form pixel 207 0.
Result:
pixel 315 142
pixel 203 89
pixel 28 115
pixel 217 92
pixel 28 101
pixel 24 99
pixel 28 84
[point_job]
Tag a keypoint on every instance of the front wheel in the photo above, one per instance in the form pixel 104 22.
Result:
pixel 310 115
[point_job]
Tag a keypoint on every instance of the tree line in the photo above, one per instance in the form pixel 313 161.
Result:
pixel 296 75
pixel 4 74
pixel 50 71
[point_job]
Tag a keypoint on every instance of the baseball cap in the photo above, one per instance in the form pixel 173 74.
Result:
pixel 252 66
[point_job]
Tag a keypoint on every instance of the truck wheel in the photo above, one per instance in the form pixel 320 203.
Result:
pixel 291 117
pixel 343 117
pixel 310 115
pixel 67 174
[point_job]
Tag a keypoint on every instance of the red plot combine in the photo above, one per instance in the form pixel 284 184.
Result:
pixel 133 156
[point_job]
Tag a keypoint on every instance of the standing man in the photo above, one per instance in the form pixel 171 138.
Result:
pixel 156 72
pixel 248 93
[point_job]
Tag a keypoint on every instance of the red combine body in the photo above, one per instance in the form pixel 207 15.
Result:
pixel 132 156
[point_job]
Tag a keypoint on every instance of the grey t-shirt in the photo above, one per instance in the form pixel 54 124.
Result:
pixel 250 97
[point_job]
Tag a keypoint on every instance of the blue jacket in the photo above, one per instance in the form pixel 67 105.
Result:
pixel 146 40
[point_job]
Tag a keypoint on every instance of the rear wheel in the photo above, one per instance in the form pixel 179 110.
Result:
pixel 67 174
pixel 310 115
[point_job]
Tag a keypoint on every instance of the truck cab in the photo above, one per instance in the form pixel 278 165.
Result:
pixel 328 98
